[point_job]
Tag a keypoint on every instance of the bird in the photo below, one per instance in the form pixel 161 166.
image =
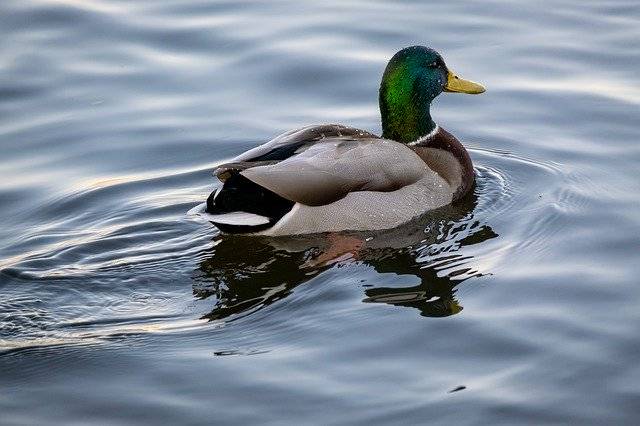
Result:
pixel 332 178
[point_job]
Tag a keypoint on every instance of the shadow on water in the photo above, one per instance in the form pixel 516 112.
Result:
pixel 245 274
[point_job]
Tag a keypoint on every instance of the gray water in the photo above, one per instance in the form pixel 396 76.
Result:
pixel 116 307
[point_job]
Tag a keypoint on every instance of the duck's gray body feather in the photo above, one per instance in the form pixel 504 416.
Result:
pixel 361 210
pixel 337 166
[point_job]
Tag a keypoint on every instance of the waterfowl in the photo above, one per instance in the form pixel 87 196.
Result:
pixel 330 177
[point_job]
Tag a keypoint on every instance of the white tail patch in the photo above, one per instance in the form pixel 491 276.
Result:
pixel 237 218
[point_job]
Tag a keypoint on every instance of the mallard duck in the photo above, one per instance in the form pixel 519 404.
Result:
pixel 330 177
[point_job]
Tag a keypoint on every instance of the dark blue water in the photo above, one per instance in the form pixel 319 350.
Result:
pixel 116 307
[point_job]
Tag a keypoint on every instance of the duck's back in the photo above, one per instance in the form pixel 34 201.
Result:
pixel 287 145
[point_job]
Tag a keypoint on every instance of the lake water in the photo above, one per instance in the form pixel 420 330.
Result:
pixel 116 307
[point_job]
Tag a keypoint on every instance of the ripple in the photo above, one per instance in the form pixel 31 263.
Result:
pixel 112 114
pixel 147 238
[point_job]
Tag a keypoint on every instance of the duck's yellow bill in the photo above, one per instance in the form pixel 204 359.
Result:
pixel 459 85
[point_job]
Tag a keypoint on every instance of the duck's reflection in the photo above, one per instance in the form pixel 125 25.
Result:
pixel 244 274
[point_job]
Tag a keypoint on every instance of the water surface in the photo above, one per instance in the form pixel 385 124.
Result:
pixel 518 306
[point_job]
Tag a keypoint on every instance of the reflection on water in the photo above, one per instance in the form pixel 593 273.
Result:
pixel 112 115
pixel 244 274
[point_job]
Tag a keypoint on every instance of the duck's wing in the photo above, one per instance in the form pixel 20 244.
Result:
pixel 334 166
pixel 287 145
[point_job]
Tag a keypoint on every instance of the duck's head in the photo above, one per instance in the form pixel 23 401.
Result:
pixel 412 80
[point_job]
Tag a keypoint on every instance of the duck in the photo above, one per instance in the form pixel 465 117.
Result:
pixel 332 178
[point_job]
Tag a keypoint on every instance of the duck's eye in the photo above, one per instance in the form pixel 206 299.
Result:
pixel 433 64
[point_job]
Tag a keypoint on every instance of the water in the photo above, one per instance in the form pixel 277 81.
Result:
pixel 520 306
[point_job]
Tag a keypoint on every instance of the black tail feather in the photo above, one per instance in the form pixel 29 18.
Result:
pixel 239 194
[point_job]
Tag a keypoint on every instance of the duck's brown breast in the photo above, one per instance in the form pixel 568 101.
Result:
pixel 445 155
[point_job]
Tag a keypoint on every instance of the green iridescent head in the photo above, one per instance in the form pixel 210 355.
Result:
pixel 412 80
